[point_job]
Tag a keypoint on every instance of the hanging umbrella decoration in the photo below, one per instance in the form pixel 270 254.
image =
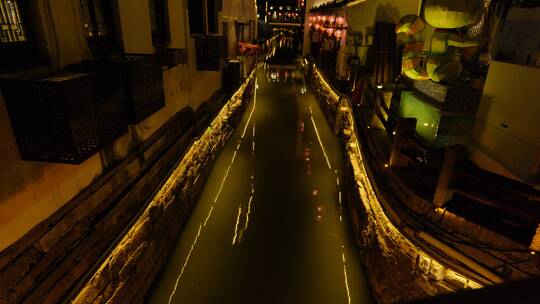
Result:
pixel 442 62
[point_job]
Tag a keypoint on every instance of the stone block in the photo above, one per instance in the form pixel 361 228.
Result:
pixel 119 294
pixel 131 262
pixel 98 300
pixel 59 230
pixel 16 271
pixel 455 99
pixel 109 290
pixel 89 205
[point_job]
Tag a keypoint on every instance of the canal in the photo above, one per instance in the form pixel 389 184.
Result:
pixel 270 226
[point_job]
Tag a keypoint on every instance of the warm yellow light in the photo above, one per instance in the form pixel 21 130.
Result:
pixel 388 235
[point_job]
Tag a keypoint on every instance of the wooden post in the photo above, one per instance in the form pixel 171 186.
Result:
pixel 443 193
pixel 404 129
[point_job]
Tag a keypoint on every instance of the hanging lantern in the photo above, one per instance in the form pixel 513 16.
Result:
pixel 318 17
pixel 340 21
pixel 317 26
pixel 330 31
pixel 332 19
pixel 338 33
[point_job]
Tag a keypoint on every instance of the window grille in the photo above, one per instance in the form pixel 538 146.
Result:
pixel 196 17
pixel 95 21
pixel 11 24
pixel 159 22
pixel 210 51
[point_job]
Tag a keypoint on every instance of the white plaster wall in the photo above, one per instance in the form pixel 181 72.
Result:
pixel 136 30
pixel 513 103
pixel 32 191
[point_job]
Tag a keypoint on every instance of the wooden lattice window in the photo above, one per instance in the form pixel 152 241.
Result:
pixel 159 22
pixel 96 18
pixel 209 51
pixel 11 23
pixel 196 17
pixel 99 27
pixel 16 46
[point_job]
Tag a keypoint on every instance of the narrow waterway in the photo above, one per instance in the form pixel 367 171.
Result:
pixel 270 226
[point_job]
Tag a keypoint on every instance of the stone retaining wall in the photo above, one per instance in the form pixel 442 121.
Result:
pixel 49 260
pixel 129 270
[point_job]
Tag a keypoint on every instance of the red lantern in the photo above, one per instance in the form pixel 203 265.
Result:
pixel 332 19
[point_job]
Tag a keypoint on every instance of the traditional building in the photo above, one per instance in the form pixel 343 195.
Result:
pixel 98 100
pixel 443 98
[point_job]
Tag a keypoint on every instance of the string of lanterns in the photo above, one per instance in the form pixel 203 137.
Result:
pixel 331 24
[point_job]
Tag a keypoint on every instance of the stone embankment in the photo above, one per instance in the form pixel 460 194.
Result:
pixel 127 273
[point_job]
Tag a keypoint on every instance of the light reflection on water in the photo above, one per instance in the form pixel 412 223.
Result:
pixel 270 226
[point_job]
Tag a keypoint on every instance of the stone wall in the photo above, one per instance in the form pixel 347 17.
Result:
pixel 43 265
pixel 127 273
pixel 392 223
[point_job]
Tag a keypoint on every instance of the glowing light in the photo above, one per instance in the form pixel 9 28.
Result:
pixel 185 264
pixel 327 86
pixel 378 221
pixel 225 177
pixel 338 33
pixel 331 19
pixel 386 165
pixel 379 86
pixel 236 225
pixel 246 223
pixel 319 138
pixel 346 278
pixel 394 133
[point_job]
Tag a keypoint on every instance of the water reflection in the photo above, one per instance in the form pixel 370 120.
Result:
pixel 269 226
